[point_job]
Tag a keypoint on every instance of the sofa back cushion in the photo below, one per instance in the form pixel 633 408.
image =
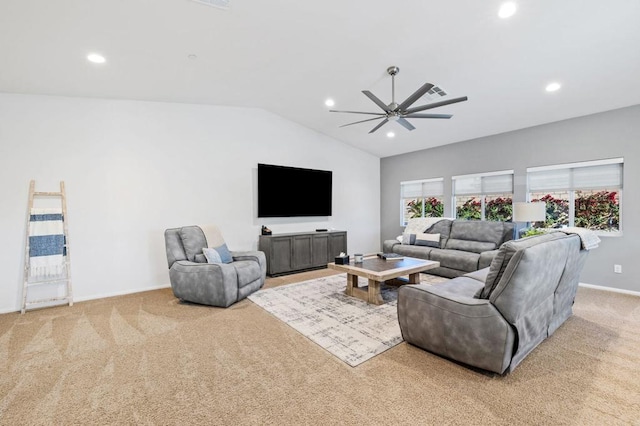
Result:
pixel 472 246
pixel 477 230
pixel 173 246
pixel 508 232
pixel 442 227
pixel 505 253
pixel 525 294
pixel 193 241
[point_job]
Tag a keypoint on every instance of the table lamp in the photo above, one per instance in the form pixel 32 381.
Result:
pixel 529 212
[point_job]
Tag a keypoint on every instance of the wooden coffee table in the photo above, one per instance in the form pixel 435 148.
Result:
pixel 377 271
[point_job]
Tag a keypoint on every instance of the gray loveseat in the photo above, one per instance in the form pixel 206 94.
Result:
pixel 492 319
pixel 195 280
pixel 464 246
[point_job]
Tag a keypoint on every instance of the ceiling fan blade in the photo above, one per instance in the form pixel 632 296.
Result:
pixel 359 112
pixel 435 105
pixel 362 121
pixel 418 115
pixel 377 101
pixel 382 123
pixel 404 123
pixel 415 96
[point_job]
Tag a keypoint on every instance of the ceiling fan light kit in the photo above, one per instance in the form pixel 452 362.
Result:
pixel 400 112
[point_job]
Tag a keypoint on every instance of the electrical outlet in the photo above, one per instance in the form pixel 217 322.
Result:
pixel 617 269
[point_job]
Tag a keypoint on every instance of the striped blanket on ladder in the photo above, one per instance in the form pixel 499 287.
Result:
pixel 46 243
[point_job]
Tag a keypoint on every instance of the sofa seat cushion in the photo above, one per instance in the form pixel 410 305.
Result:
pixel 247 271
pixel 486 257
pixel 479 275
pixel 456 259
pixel 420 252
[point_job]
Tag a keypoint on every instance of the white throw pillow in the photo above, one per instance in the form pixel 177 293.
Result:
pixel 212 255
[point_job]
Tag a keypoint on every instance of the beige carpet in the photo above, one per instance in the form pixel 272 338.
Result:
pixel 147 359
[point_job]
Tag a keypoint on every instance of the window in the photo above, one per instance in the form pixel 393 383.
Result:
pixel 421 198
pixel 484 196
pixel 579 194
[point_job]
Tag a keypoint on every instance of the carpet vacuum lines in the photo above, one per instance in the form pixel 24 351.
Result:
pixel 348 328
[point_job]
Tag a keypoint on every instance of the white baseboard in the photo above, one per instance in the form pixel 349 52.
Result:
pixel 140 290
pixel 119 293
pixel 611 289
pixel 7 310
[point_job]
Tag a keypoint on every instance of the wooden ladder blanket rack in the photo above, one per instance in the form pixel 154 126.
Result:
pixel 47 258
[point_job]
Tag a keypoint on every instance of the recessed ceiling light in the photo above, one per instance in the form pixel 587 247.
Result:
pixel 391 135
pixel 552 87
pixel 329 102
pixel 507 10
pixel 96 59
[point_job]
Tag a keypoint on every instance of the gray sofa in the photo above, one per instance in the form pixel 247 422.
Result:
pixel 465 245
pixel 493 318
pixel 216 284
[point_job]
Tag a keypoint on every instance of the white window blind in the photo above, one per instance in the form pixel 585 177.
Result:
pixel 422 188
pixel 576 176
pixel 489 183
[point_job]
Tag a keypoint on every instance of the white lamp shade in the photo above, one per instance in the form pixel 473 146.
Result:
pixel 529 212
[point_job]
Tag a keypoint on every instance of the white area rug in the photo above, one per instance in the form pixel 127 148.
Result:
pixel 349 328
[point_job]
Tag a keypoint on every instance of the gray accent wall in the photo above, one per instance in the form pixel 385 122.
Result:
pixel 606 135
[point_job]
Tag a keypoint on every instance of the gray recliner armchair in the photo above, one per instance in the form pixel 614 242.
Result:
pixel 493 318
pixel 195 280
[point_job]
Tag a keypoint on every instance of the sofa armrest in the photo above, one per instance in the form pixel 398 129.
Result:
pixel 214 284
pixel 388 245
pixel 452 323
pixel 256 256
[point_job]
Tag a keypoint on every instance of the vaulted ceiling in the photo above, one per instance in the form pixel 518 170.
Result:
pixel 289 56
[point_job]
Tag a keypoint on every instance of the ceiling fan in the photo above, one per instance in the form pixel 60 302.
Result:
pixel 400 112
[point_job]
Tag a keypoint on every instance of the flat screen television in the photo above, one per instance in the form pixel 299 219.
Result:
pixel 292 191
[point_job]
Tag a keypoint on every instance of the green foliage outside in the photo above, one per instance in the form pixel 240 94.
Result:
pixel 557 212
pixel 433 207
pixel 500 209
pixel 598 211
pixel 531 232
pixel 471 209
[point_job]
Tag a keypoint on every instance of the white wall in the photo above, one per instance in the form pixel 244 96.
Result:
pixel 133 169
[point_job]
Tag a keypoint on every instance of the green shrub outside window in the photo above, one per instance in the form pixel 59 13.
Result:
pixel 433 207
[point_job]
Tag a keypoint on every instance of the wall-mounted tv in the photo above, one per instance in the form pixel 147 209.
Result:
pixel 292 191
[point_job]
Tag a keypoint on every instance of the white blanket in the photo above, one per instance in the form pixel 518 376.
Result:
pixel 589 239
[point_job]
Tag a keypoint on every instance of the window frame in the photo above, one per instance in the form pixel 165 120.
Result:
pixel 482 194
pixel 571 189
pixel 422 195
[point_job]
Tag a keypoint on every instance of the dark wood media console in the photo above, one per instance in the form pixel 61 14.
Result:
pixel 300 251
